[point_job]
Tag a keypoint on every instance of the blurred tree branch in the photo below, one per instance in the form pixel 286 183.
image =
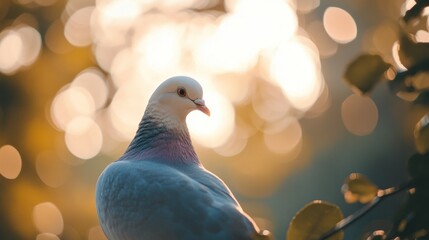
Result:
pixel 381 195
pixel 416 10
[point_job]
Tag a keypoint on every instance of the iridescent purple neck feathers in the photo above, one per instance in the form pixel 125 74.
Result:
pixel 156 141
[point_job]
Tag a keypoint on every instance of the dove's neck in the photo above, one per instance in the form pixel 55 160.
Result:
pixel 163 139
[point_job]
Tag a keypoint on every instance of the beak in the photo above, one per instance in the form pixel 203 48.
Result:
pixel 202 106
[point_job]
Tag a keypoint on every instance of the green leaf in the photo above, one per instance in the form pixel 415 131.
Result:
pixel 313 220
pixel 358 187
pixel 365 72
pixel 421 134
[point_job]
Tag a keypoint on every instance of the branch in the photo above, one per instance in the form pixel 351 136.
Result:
pixel 399 84
pixel 416 68
pixel 416 10
pixel 381 195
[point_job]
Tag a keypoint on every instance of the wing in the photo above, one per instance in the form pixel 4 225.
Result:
pixel 147 200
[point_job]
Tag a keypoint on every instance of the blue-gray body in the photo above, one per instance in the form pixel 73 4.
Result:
pixel 158 190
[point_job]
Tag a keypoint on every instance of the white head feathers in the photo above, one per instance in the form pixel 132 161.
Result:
pixel 178 96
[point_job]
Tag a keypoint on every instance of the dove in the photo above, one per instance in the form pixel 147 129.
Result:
pixel 158 189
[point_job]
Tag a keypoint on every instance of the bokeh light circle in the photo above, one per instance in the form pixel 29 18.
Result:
pixel 77 28
pixel 296 70
pixel 47 236
pixel 19 47
pixel 339 25
pixel 83 137
pixel 359 114
pixel 215 130
pixel 69 103
pixel 10 162
pixel 93 81
pixel 48 218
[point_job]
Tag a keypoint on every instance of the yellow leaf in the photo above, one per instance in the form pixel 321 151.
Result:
pixel 358 187
pixel 313 220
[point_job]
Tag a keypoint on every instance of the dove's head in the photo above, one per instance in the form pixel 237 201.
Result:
pixel 178 96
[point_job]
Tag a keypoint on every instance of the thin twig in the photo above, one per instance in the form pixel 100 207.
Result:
pixel 381 195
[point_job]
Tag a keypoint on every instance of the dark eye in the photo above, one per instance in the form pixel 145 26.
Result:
pixel 181 92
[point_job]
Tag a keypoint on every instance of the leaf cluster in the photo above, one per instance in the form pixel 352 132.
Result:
pixel 409 80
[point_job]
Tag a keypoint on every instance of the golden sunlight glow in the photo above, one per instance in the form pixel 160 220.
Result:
pixel 175 6
pixel 121 12
pixel 48 218
pixel 359 114
pixel 55 39
pixel 84 138
pixel 340 25
pixel 204 43
pixel 127 108
pixel 93 81
pixel 78 74
pixel 123 68
pixel 69 103
pixel 215 130
pixel 18 48
pixel 51 170
pixel 254 16
pixel 96 233
pixel 396 59
pixel 321 105
pixel 383 36
pixel 285 140
pixel 236 89
pixel 32 43
pixel 10 162
pixel 77 29
pixel 113 18
pixel 45 3
pixel 228 49
pixel 295 68
pixel 160 48
pixel 326 46
pixel 47 236
pixel 11 47
pixel 269 102
pixel 306 6
pixel 234 145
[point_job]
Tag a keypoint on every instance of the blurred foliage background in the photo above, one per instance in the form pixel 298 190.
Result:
pixel 75 76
